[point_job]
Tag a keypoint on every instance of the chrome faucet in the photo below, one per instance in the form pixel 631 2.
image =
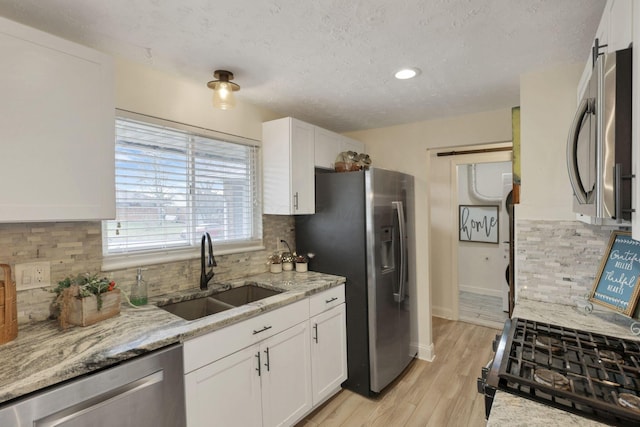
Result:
pixel 210 261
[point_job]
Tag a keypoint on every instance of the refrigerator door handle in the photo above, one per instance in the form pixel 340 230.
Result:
pixel 399 208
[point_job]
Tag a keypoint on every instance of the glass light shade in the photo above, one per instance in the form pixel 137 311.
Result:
pixel 407 73
pixel 223 96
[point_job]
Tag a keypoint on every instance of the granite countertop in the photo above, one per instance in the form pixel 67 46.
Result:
pixel 43 355
pixel 510 410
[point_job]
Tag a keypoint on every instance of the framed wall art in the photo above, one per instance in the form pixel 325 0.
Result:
pixel 616 285
pixel 478 223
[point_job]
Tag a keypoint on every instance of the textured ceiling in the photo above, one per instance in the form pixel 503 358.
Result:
pixel 331 62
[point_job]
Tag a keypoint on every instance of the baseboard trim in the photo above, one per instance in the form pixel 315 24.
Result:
pixel 482 291
pixel 445 313
pixel 425 352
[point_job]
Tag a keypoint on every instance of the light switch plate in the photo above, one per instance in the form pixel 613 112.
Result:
pixel 33 275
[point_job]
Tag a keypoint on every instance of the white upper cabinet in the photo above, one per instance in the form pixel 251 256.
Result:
pixel 288 167
pixel 620 28
pixel 349 144
pixel 291 150
pixel 329 144
pixel 56 128
pixel 327 147
pixel 615 32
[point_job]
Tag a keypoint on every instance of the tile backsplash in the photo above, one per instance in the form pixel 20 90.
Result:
pixel 557 261
pixel 76 247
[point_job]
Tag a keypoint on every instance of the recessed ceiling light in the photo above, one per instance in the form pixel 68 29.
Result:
pixel 407 73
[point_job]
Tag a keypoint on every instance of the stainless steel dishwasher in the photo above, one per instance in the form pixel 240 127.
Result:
pixel 145 391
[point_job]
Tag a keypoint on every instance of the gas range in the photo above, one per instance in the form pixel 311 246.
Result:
pixel 590 374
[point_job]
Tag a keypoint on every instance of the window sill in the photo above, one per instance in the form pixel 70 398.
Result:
pixel 120 262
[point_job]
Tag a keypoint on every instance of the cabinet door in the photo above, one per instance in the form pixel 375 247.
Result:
pixel 302 168
pixel 226 392
pixel 57 128
pixel 287 155
pixel 328 352
pixel 286 376
pixel 327 147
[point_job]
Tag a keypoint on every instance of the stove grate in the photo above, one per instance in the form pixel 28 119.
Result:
pixel 579 371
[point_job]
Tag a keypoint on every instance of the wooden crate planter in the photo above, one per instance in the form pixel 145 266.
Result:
pixel 84 311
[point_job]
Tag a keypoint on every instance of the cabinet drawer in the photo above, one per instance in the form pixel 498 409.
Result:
pixel 326 300
pixel 202 350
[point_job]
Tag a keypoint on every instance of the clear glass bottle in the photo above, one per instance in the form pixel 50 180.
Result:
pixel 138 294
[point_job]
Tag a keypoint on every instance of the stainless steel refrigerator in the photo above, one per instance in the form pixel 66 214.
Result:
pixel 363 230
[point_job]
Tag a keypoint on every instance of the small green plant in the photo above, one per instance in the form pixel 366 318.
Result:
pixel 86 285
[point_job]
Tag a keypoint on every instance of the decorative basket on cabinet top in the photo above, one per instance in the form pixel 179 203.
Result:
pixel 8 308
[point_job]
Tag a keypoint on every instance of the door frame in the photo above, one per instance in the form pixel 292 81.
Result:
pixel 487 153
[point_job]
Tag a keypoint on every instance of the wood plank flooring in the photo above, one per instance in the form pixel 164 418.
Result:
pixel 484 310
pixel 439 393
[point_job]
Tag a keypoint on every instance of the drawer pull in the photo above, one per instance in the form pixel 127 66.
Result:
pixel 261 330
pixel 331 300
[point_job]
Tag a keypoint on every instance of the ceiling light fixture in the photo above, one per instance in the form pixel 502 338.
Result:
pixel 407 73
pixel 223 89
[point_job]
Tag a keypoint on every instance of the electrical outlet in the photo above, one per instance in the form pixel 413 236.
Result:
pixel 32 275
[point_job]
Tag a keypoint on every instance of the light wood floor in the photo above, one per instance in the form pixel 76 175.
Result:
pixel 484 310
pixel 439 393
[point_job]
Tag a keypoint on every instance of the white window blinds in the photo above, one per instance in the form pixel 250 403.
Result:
pixel 172 185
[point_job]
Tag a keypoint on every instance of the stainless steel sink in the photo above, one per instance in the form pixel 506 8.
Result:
pixel 244 295
pixel 200 307
pixel 196 308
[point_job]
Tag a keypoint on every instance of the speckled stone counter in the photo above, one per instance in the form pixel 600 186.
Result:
pixel 510 410
pixel 43 355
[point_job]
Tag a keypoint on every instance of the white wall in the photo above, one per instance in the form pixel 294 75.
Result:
pixel 404 148
pixel 547 106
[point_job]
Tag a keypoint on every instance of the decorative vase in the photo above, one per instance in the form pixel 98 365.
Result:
pixel 301 267
pixel 287 266
pixel 275 268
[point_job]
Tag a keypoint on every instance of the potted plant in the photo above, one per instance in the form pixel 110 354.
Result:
pixel 287 261
pixel 301 263
pixel 86 299
pixel 275 263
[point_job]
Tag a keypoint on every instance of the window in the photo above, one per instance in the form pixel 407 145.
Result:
pixel 174 182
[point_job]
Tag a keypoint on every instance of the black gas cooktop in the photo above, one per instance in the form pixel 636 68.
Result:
pixel 593 375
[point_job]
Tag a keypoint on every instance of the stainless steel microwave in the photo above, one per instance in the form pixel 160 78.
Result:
pixel 599 144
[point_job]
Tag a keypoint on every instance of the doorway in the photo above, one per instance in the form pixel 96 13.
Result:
pixel 444 245
pixel 483 283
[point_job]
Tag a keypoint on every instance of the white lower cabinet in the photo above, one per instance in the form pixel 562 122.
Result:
pixel 328 352
pixel 286 376
pixel 226 392
pixel 266 371
pixel 267 384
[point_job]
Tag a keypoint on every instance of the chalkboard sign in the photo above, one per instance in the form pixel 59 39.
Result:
pixel 478 223
pixel 616 285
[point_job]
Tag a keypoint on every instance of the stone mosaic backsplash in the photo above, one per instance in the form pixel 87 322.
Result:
pixel 76 247
pixel 558 261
